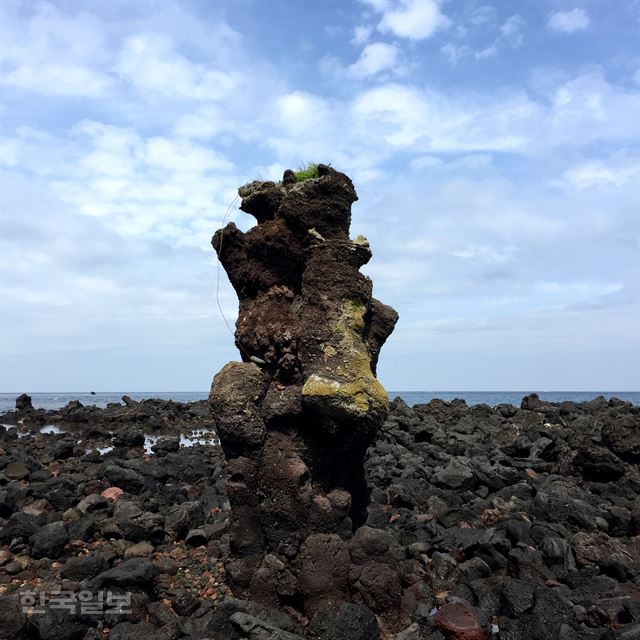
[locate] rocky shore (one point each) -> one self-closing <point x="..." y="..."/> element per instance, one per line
<point x="518" y="523"/>
<point x="298" y="502"/>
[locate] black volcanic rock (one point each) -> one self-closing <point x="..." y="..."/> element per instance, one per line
<point x="83" y="567"/>
<point x="544" y="548"/>
<point x="134" y="573"/>
<point x="50" y="540"/>
<point x="23" y="403"/>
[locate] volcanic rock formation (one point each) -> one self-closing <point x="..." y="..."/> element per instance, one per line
<point x="296" y="416"/>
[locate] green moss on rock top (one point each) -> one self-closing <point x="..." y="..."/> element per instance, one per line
<point x="307" y="171"/>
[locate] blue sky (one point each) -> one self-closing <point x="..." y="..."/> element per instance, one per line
<point x="494" y="147"/>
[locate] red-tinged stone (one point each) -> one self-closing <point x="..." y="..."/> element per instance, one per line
<point x="25" y="575"/>
<point x="5" y="556"/>
<point x="458" y="621"/>
<point x="112" y="493"/>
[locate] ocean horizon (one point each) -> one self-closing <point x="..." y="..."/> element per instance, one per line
<point x="55" y="400"/>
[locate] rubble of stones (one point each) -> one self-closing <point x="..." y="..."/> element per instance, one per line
<point x="154" y="416"/>
<point x="506" y="523"/>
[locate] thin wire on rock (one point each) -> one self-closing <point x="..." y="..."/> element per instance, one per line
<point x="218" y="254"/>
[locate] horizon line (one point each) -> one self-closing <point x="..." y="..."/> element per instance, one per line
<point x="91" y="392"/>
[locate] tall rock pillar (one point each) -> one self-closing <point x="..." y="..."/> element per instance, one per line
<point x="296" y="416"/>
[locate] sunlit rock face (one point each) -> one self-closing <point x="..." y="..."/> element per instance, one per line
<point x="296" y="416"/>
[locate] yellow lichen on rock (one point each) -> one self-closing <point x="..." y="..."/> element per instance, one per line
<point x="351" y="321"/>
<point x="350" y="390"/>
<point x="355" y="399"/>
<point x="329" y="351"/>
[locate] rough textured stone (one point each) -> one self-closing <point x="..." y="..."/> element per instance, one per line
<point x="296" y="416"/>
<point x="112" y="493"/>
<point x="458" y="621"/>
<point x="83" y="567"/>
<point x="324" y="572"/>
<point x="49" y="541"/>
<point x="349" y="622"/>
<point x="255" y="629"/>
<point x="23" y="403"/>
<point x="13" y="618"/>
<point x="517" y="597"/>
<point x="16" y="470"/>
<point x="136" y="572"/>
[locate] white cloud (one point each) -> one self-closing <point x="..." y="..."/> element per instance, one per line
<point x="297" y="111"/>
<point x="511" y="34"/>
<point x="9" y="151"/>
<point x="181" y="156"/>
<point x="484" y="254"/>
<point x="151" y="64"/>
<point x="465" y="237"/>
<point x="597" y="174"/>
<point x="145" y="177"/>
<point x="58" y="80"/>
<point x="206" y="123"/>
<point x="426" y="163"/>
<point x="579" y="289"/>
<point x="400" y="112"/>
<point x="428" y="121"/>
<point x="482" y="236"/>
<point x="453" y="53"/>
<point x="54" y="54"/>
<point x="589" y="108"/>
<point x="57" y="51"/>
<point x="361" y="35"/>
<point x="375" y="57"/>
<point x="411" y="19"/>
<point x="140" y="186"/>
<point x="569" y="21"/>
<point x="378" y="5"/>
<point x="487" y="52"/>
<point x="94" y="289"/>
<point x="482" y="15"/>
<point x="573" y="113"/>
<point x="473" y="161"/>
<point x="513" y="30"/>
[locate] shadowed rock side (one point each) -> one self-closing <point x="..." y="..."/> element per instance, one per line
<point x="296" y="416"/>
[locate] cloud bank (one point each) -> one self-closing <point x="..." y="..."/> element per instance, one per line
<point x="498" y="190"/>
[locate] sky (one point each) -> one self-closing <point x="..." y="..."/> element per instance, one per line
<point x="494" y="147"/>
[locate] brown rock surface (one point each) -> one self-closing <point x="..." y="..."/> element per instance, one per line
<point x="296" y="416"/>
<point x="458" y="621"/>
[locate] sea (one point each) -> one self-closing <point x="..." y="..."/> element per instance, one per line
<point x="491" y="398"/>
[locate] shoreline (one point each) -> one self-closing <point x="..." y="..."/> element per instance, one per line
<point x="56" y="400"/>
<point x="528" y="515"/>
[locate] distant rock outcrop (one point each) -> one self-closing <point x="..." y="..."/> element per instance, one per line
<point x="296" y="416"/>
<point x="23" y="403"/>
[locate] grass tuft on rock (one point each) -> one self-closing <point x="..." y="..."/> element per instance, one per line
<point x="306" y="172"/>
